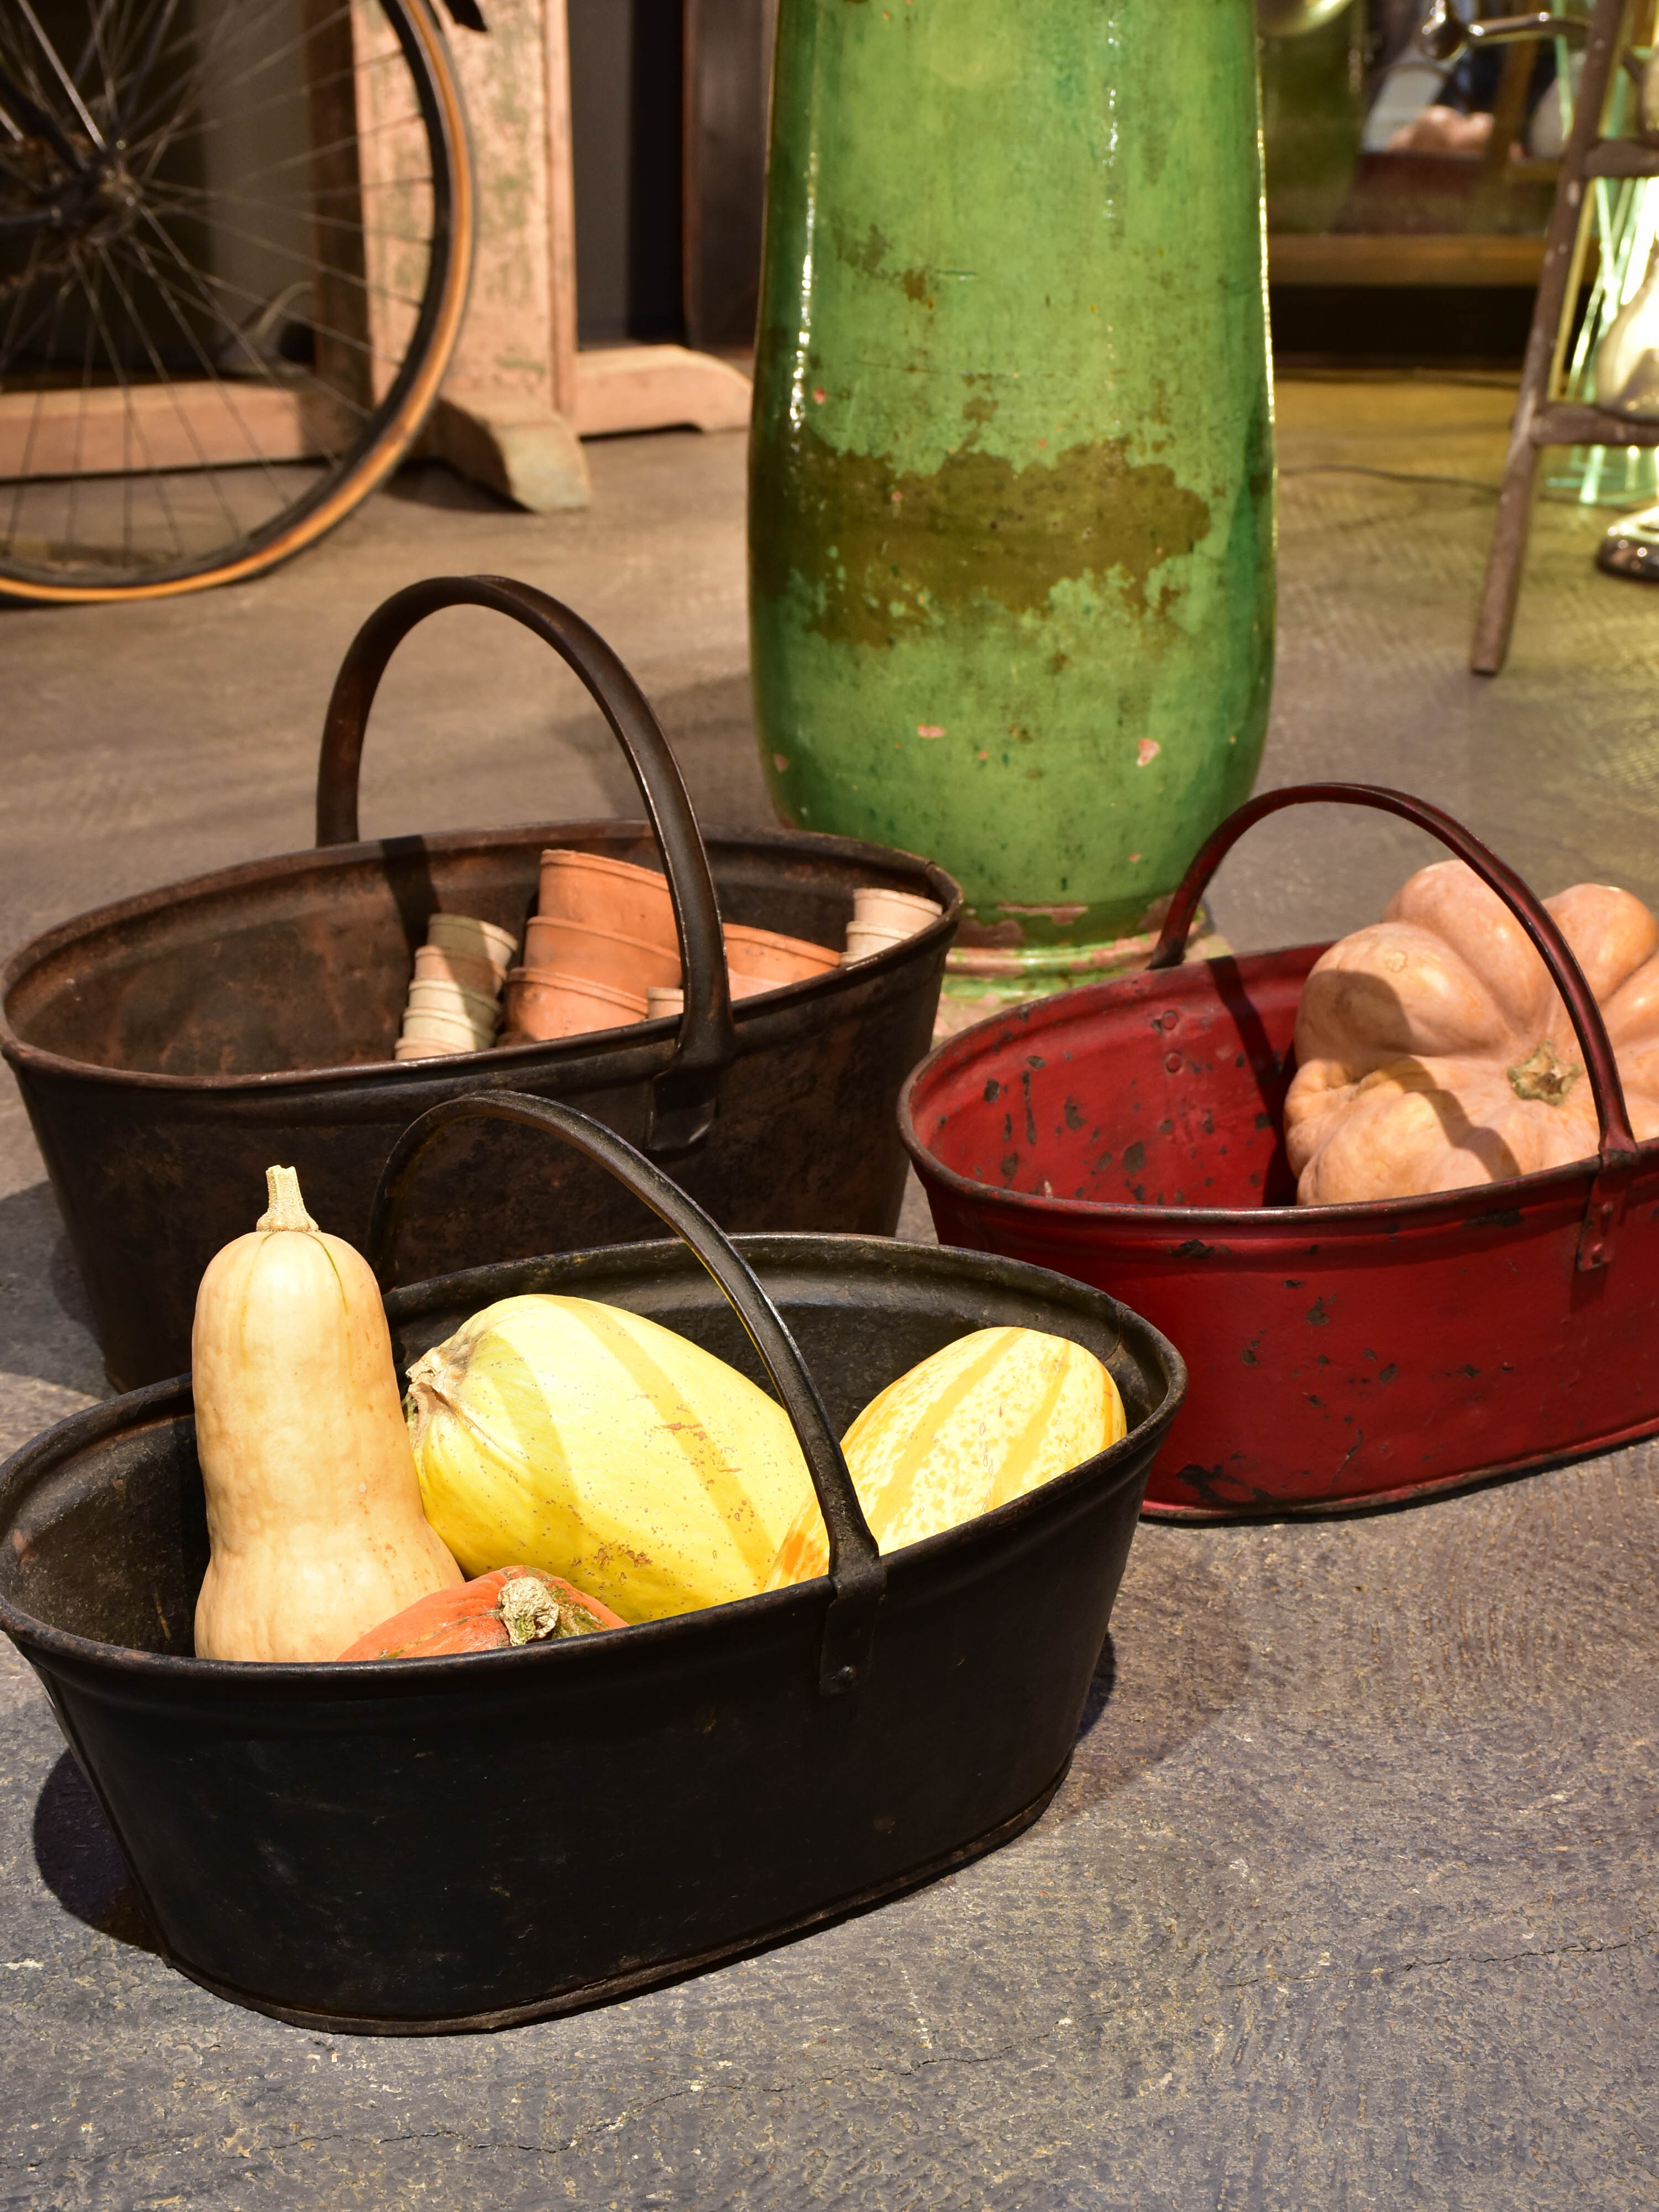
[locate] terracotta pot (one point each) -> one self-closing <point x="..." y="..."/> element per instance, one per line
<point x="433" y="965"/>
<point x="764" y="954"/>
<point x="608" y="895"/>
<point x="481" y="1009"/>
<point x="903" y="912"/>
<point x="476" y="940"/>
<point x="601" y="955"/>
<point x="539" y="1005"/>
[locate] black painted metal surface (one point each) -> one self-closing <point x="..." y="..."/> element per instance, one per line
<point x="170" y="1047"/>
<point x="407" y="1846"/>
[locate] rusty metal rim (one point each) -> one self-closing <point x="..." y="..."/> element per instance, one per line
<point x="590" y="1994"/>
<point x="504" y="1058"/>
<point x="1436" y="1210"/>
<point x="1438" y="1486"/>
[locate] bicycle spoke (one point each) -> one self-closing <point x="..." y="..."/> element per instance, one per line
<point x="254" y="300"/>
<point x="80" y="437"/>
<point x="254" y="448"/>
<point x="186" y="89"/>
<point x="289" y="253"/>
<point x="148" y="58"/>
<point x="173" y="393"/>
<point x="62" y="75"/>
<point x="28" y="111"/>
<point x="34" y="420"/>
<point x="136" y="418"/>
<point x="95" y="50"/>
<point x="186" y="199"/>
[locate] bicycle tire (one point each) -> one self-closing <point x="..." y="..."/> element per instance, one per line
<point x="392" y="418"/>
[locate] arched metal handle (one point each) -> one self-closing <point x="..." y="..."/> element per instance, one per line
<point x="685" y="1096"/>
<point x="1617" y="1141"/>
<point x="858" y="1576"/>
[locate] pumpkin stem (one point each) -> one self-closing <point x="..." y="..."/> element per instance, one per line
<point x="528" y="1609"/>
<point x="287" y="1209"/>
<point x="1543" y="1076"/>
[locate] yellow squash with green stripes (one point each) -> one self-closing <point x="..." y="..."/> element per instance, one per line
<point x="985" y="1419"/>
<point x="589" y="1442"/>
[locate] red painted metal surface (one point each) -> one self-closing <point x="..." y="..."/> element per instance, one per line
<point x="1129" y="1135"/>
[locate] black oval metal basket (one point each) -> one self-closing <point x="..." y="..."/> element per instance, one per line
<point x="168" y="1048"/>
<point x="411" y="1846"/>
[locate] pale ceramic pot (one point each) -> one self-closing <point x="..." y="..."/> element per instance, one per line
<point x="452" y="1030"/>
<point x="433" y="965"/>
<point x="862" y="941"/>
<point x="476" y="940"/>
<point x="481" y="1009"/>
<point x="902" y="912"/>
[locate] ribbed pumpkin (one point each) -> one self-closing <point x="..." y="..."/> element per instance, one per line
<point x="594" y="1443"/>
<point x="494" y="1613"/>
<point x="982" y="1421"/>
<point x="1433" y="1051"/>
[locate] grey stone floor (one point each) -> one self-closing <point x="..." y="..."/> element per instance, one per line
<point x="1349" y="1899"/>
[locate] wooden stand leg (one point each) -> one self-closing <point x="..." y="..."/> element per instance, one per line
<point x="1557" y="285"/>
<point x="515" y="446"/>
<point x="1495" y="619"/>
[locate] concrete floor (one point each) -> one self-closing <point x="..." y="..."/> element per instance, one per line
<point x="1349" y="1899"/>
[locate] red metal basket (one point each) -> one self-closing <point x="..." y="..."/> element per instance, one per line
<point x="1130" y="1135"/>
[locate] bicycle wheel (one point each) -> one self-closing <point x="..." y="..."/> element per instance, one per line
<point x="235" y="237"/>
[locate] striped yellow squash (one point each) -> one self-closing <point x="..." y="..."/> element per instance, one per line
<point x="985" y="1419"/>
<point x="559" y="1433"/>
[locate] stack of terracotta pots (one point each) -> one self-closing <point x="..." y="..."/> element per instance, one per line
<point x="455" y="999"/>
<point x="601" y="951"/>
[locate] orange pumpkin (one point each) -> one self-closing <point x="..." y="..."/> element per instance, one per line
<point x="1433" y="1051"/>
<point x="508" y="1606"/>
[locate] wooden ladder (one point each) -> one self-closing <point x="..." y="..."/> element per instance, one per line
<point x="1541" y="418"/>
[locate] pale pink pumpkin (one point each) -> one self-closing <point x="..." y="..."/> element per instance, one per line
<point x="1433" y="1051"/>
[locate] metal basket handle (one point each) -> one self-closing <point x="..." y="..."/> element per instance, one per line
<point x="858" y="1576"/>
<point x="1618" y="1144"/>
<point x="684" y="1096"/>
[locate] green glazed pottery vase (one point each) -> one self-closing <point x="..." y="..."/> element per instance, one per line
<point x="1012" y="475"/>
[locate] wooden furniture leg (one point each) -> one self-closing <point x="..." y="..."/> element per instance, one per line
<point x="520" y="396"/>
<point x="1558" y="287"/>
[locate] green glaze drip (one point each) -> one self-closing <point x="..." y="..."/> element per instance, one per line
<point x="1012" y="514"/>
<point x="884" y="554"/>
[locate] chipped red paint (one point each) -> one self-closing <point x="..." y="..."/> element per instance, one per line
<point x="1339" y="1355"/>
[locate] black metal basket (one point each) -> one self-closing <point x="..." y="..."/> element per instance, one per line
<point x="409" y="1846"/>
<point x="170" y="1047"/>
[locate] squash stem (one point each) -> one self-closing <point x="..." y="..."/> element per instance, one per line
<point x="287" y="1209"/>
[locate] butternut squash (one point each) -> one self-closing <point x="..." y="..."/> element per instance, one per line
<point x="313" y="1508"/>
<point x="984" y="1419"/>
